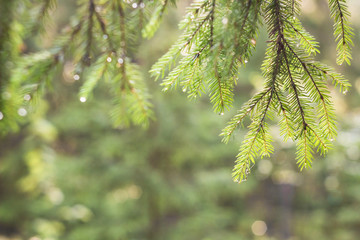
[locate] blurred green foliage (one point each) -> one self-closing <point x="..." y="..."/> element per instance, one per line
<point x="67" y="174"/>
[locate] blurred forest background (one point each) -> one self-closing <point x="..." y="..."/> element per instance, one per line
<point x="67" y="174"/>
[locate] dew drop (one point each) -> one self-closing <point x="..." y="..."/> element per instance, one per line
<point x="134" y="5"/>
<point x="83" y="99"/>
<point x="331" y="139"/>
<point x="345" y="92"/>
<point x="22" y="112"/>
<point x="109" y="59"/>
<point x="1" y="115"/>
<point x="76" y="77"/>
<point x="105" y="36"/>
<point x="222" y="113"/>
<point x="240" y="181"/>
<point x="294" y="17"/>
<point x="246" y="61"/>
<point x="184" y="90"/>
<point x="27" y="97"/>
<point x="120" y="61"/>
<point x="142" y="5"/>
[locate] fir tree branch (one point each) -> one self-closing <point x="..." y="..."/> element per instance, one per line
<point x="241" y="30"/>
<point x="122" y="42"/>
<point x="149" y="30"/>
<point x="237" y="120"/>
<point x="336" y="78"/>
<point x="87" y="56"/>
<point x="104" y="31"/>
<point x="342" y="31"/>
<point x="6" y="20"/>
<point x="47" y="6"/>
<point x="324" y="146"/>
<point x="304" y="152"/>
<point x="307" y="39"/>
<point x="208" y="17"/>
<point x="288" y="128"/>
<point x="212" y="12"/>
<point x="295" y="90"/>
<point x="220" y="105"/>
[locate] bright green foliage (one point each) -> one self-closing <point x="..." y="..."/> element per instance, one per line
<point x="30" y="73"/>
<point x="155" y="17"/>
<point x="218" y="39"/>
<point x="97" y="45"/>
<point x="343" y="32"/>
<point x="42" y="14"/>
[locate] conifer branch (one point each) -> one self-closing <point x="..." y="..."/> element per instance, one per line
<point x="241" y="30"/>
<point x="105" y="32"/>
<point x="237" y="120"/>
<point x="342" y="31"/>
<point x="289" y="130"/>
<point x="212" y="12"/>
<point x="122" y="42"/>
<point x="296" y="92"/>
<point x="304" y="151"/>
<point x="221" y="104"/>
<point x="323" y="146"/>
<point x="305" y="38"/>
<point x="336" y="78"/>
<point x="47" y="6"/>
<point x="330" y="130"/>
<point x="87" y="56"/>
<point x="219" y="37"/>
<point x="202" y="23"/>
<point x="149" y="30"/>
<point x="293" y="80"/>
<point x="6" y="20"/>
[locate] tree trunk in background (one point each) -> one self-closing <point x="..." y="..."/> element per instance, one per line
<point x="286" y="197"/>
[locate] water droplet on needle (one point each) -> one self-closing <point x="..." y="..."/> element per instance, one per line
<point x="22" y="112"/>
<point x="27" y="97"/>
